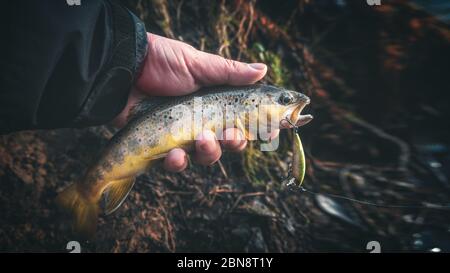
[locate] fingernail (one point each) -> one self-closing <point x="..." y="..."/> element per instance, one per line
<point x="258" y="66"/>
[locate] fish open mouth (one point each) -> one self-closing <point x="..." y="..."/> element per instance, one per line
<point x="293" y="116"/>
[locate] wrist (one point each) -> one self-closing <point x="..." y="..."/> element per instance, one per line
<point x="133" y="98"/>
<point x="142" y="76"/>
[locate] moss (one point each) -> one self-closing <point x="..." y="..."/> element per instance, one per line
<point x="277" y="74"/>
<point x="261" y="167"/>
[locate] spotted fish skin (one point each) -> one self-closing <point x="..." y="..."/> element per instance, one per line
<point x="150" y="135"/>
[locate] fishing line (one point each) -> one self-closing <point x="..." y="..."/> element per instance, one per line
<point x="362" y="202"/>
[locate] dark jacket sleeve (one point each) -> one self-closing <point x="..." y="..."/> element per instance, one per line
<point x="67" y="65"/>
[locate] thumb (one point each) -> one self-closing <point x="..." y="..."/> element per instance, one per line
<point x="209" y="69"/>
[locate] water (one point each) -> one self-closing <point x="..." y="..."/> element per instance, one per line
<point x="438" y="8"/>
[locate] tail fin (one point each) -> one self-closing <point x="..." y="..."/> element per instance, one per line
<point x="85" y="212"/>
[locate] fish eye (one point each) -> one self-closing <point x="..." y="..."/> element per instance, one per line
<point x="286" y="98"/>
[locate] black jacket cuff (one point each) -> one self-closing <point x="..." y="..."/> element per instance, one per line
<point x="111" y="88"/>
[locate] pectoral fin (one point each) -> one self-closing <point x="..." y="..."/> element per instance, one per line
<point x="156" y="157"/>
<point x="241" y="126"/>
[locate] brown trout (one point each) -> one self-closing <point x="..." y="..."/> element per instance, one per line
<point x="161" y="124"/>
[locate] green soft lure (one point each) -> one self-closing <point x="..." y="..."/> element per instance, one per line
<point x="298" y="159"/>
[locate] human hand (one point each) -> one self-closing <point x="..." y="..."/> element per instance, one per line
<point x="174" y="68"/>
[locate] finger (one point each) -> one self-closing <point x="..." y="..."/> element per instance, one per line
<point x="233" y="140"/>
<point x="207" y="149"/>
<point x="274" y="133"/>
<point x="176" y="160"/>
<point x="210" y="69"/>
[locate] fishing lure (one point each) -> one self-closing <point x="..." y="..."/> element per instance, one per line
<point x="298" y="159"/>
<point x="298" y="166"/>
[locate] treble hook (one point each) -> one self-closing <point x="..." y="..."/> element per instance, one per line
<point x="295" y="127"/>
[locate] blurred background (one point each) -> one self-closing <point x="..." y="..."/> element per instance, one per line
<point x="378" y="78"/>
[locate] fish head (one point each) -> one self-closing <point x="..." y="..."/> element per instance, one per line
<point x="294" y="103"/>
<point x="283" y="107"/>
